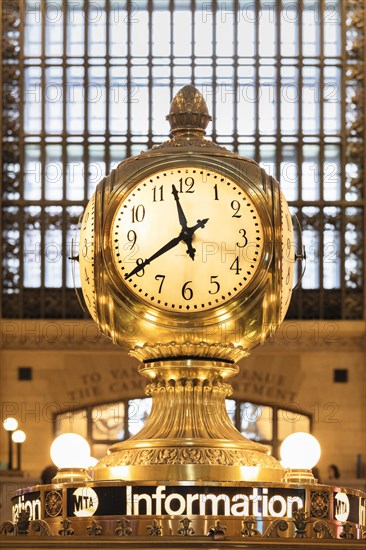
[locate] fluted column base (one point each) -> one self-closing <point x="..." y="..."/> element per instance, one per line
<point x="189" y="435"/>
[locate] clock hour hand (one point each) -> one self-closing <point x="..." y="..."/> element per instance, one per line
<point x="181" y="216"/>
<point x="188" y="234"/>
<point x="171" y="244"/>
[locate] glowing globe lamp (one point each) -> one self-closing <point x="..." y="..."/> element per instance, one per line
<point x="71" y="454"/>
<point x="18" y="436"/>
<point x="10" y="424"/>
<point x="299" y="453"/>
<point x="70" y="451"/>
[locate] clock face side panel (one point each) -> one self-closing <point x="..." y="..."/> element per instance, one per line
<point x="86" y="257"/>
<point x="138" y="213"/>
<point x="287" y="257"/>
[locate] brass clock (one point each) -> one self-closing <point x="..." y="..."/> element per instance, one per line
<point x="187" y="259"/>
<point x="187" y="243"/>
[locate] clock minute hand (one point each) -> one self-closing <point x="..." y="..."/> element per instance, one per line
<point x="171" y="244"/>
<point x="181" y="215"/>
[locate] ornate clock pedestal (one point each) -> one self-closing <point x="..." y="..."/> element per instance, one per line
<point x="187" y="260"/>
<point x="189" y="435"/>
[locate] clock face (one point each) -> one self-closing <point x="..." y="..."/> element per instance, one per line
<point x="187" y="239"/>
<point x="53" y="503"/>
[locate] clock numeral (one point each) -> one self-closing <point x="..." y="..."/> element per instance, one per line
<point x="85" y="220"/>
<point x="162" y="277"/>
<point x="87" y="279"/>
<point x="138" y="213"/>
<point x="132" y="237"/>
<point x="187" y="292"/>
<point x="288" y="245"/>
<point x="216" y="192"/>
<point x="235" y="205"/>
<point x="158" y="194"/>
<point x="140" y="273"/>
<point x="188" y="183"/>
<point x="288" y="275"/>
<point x="216" y="283"/>
<point x="244" y="234"/>
<point x="84" y="250"/>
<point x="235" y="266"/>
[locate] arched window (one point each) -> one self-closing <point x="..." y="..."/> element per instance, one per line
<point x="107" y="423"/>
<point x="87" y="84"/>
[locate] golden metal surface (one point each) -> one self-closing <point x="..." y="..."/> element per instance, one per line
<point x="188" y="110"/>
<point x="176" y="543"/>
<point x="189" y="434"/>
<point x="69" y="475"/>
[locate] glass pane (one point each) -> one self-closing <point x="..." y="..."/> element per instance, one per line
<point x="97" y="100"/>
<point x="32" y="173"/>
<point x="267" y="30"/>
<point x="290" y="422"/>
<point x="332" y="248"/>
<point x="332" y="28"/>
<point x="138" y="411"/>
<point x="231" y="408"/>
<point x="289" y="100"/>
<point x="32" y="247"/>
<point x="53" y="173"/>
<point x="53" y="247"/>
<point x="182" y="21"/>
<point x="75" y="105"/>
<point x="118" y="28"/>
<point x="33" y="100"/>
<point x="310" y="100"/>
<point x="289" y="28"/>
<point x="33" y="28"/>
<point x="53" y="100"/>
<point x="203" y="32"/>
<point x="75" y="172"/>
<point x="256" y="421"/>
<point x="289" y="172"/>
<point x="310" y="173"/>
<point x="72" y="422"/>
<point x="75" y="28"/>
<point x="54" y="28"/>
<point x="108" y="422"/>
<point x="332" y="187"/>
<point x="224" y="30"/>
<point x="311" y="28"/>
<point x="97" y="28"/>
<point x="267" y="101"/>
<point x="311" y="241"/>
<point x="118" y="100"/>
<point x="332" y="100"/>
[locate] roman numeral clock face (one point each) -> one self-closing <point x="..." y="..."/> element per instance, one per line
<point x="187" y="239"/>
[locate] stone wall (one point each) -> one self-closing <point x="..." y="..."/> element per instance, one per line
<point x="73" y="365"/>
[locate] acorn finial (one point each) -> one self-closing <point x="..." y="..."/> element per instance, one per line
<point x="188" y="111"/>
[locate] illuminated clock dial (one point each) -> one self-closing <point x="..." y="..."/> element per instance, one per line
<point x="187" y="239"/>
<point x="86" y="257"/>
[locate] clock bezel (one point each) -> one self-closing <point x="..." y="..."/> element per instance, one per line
<point x="153" y="312"/>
